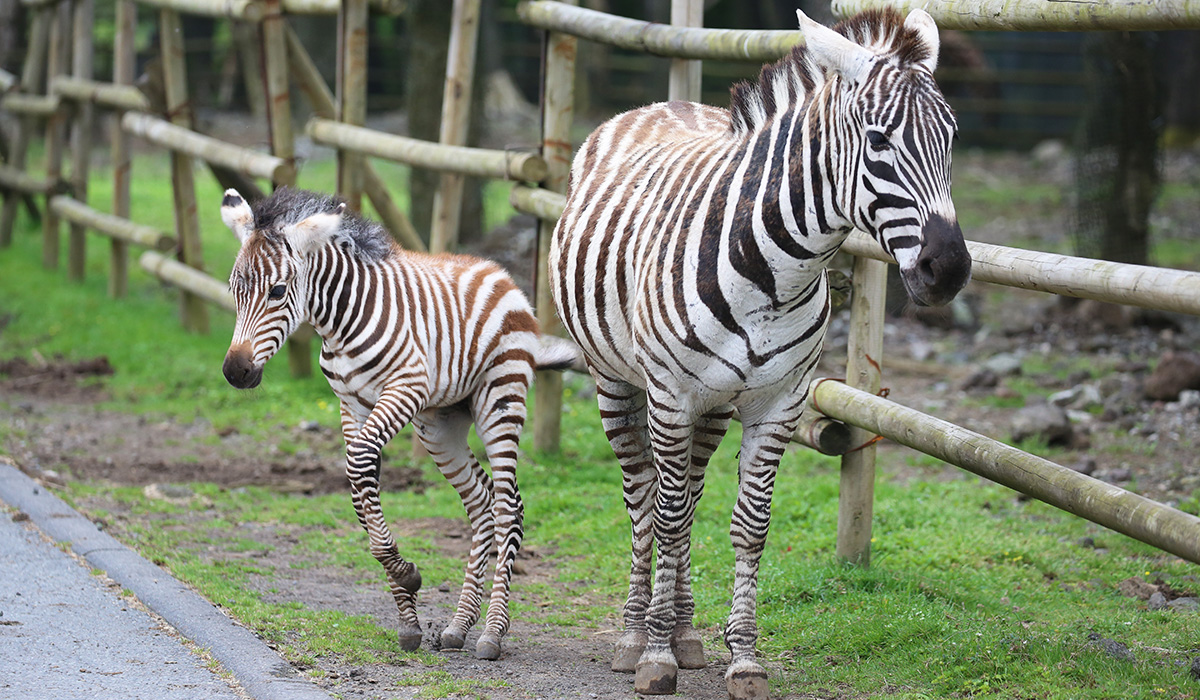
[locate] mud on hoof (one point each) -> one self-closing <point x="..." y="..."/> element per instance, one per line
<point x="746" y="681"/>
<point x="488" y="647"/>
<point x="451" y="639"/>
<point x="410" y="638"/>
<point x="655" y="678"/>
<point x="627" y="651"/>
<point x="688" y="647"/>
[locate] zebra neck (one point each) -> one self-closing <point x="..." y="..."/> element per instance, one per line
<point x="344" y="293"/>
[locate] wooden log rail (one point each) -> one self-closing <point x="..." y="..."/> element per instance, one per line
<point x="17" y="180"/>
<point x="331" y="7"/>
<point x="112" y="226"/>
<point x="31" y="105"/>
<point x="1105" y="504"/>
<point x="188" y="279"/>
<point x="1043" y="15"/>
<point x="658" y="39"/>
<point x="177" y="138"/>
<point x="479" y="162"/>
<point x="107" y="95"/>
<point x="245" y="10"/>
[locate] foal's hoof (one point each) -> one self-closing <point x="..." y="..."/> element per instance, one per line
<point x="452" y="639"/>
<point x="746" y="681"/>
<point x="410" y="638"/>
<point x="688" y="647"/>
<point x="627" y="651"/>
<point x="655" y="678"/>
<point x="488" y="647"/>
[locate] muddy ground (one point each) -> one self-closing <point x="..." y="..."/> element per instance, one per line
<point x="936" y="364"/>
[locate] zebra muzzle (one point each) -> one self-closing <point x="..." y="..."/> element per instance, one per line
<point x="240" y="371"/>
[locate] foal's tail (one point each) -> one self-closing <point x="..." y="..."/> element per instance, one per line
<point x="556" y="353"/>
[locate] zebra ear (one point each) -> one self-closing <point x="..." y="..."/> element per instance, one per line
<point x="922" y="23"/>
<point x="834" y="52"/>
<point x="237" y="215"/>
<point x="313" y="232"/>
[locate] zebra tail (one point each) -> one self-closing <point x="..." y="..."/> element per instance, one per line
<point x="556" y="353"/>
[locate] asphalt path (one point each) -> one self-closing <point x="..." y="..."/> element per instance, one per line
<point x="66" y="633"/>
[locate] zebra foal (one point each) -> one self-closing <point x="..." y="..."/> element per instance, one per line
<point x="689" y="265"/>
<point x="438" y="341"/>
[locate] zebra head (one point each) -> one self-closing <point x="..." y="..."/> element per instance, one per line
<point x="267" y="280"/>
<point x="894" y="130"/>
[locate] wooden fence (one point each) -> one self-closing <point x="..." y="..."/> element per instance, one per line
<point x="339" y="123"/>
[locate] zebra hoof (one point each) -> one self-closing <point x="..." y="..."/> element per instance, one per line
<point x="747" y="681"/>
<point x="627" y="651"/>
<point x="655" y="678"/>
<point x="488" y="647"/>
<point x="688" y="647"/>
<point x="410" y="638"/>
<point x="452" y="639"/>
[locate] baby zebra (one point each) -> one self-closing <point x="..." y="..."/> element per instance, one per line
<point x="440" y="341"/>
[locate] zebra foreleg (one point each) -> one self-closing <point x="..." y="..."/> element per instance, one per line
<point x="363" y="450"/>
<point x="444" y="435"/>
<point x="685" y="640"/>
<point x="671" y="440"/>
<point x="763" y="443"/>
<point x="623" y="415"/>
<point x="499" y="418"/>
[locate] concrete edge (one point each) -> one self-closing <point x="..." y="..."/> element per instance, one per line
<point x="262" y="673"/>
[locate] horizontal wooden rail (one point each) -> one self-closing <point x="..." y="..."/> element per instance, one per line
<point x="32" y="105"/>
<point x="1111" y="506"/>
<point x="543" y="204"/>
<point x="245" y="10"/>
<point x="331" y="7"/>
<point x="480" y="162"/>
<point x="108" y="95"/>
<point x="1043" y="15"/>
<point x="1135" y="285"/>
<point x="243" y="160"/>
<point x="38" y="3"/>
<point x="187" y="278"/>
<point x="18" y="180"/>
<point x="658" y="39"/>
<point x="112" y="226"/>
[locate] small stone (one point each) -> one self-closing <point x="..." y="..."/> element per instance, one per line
<point x="1119" y="474"/>
<point x="1004" y="364"/>
<point x="981" y="379"/>
<point x="1086" y="542"/>
<point x="1184" y="604"/>
<point x="1157" y="601"/>
<point x="1085" y="466"/>
<point x="1044" y="421"/>
<point x="1174" y="373"/>
<point x="1195" y="670"/>
<point x="310" y="426"/>
<point x="1112" y="647"/>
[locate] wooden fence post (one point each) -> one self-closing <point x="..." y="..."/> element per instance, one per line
<point x="81" y="133"/>
<point x="32" y="80"/>
<point x="124" y="58"/>
<point x="58" y="55"/>
<point x="187" y="222"/>
<point x="352" y="93"/>
<point x="684" y="76"/>
<point x="558" y="111"/>
<point x="864" y="353"/>
<point x="456" y="121"/>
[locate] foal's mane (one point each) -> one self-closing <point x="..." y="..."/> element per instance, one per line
<point x="366" y="239"/>
<point x="793" y="78"/>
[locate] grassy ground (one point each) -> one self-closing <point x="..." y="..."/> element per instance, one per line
<point x="971" y="593"/>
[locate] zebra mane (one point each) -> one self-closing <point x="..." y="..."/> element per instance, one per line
<point x="286" y="206"/>
<point x="793" y="78"/>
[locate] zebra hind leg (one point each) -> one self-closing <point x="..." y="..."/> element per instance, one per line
<point x="686" y="642"/>
<point x="623" y="414"/>
<point x="444" y="435"/>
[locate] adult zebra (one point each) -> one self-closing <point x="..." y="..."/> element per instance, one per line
<point x="689" y="264"/>
<point x="440" y="341"/>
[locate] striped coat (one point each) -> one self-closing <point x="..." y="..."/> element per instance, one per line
<point x="689" y="265"/>
<point x="438" y="341"/>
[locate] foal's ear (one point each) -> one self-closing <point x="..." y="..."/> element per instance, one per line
<point x="834" y="52"/>
<point x="237" y="215"/>
<point x="922" y="23"/>
<point x="313" y="232"/>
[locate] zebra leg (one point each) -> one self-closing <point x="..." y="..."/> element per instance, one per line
<point x="444" y="435"/>
<point x="763" y="443"/>
<point x="499" y="418"/>
<point x="623" y="414"/>
<point x="671" y="440"/>
<point x="363" y="449"/>
<point x="685" y="640"/>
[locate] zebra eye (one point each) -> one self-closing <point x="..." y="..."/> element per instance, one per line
<point x="277" y="292"/>
<point x="878" y="139"/>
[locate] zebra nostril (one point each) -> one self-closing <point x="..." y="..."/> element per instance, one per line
<point x="925" y="268"/>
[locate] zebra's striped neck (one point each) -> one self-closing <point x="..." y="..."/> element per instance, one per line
<point x="343" y="292"/>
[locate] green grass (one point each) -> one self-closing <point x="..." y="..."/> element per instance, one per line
<point x="970" y="593"/>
